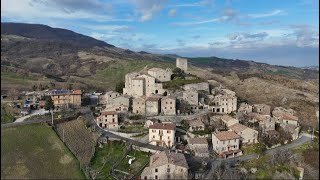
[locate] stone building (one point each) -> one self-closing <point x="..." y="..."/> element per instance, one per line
<point x="203" y="86"/>
<point x="161" y="75"/>
<point x="139" y="105"/>
<point x="266" y="122"/>
<point x="199" y="146"/>
<point x="166" y="165"/>
<point x="182" y="64"/>
<point x="261" y="109"/>
<point x="108" y="120"/>
<point x="245" y="108"/>
<point x="152" y="106"/>
<point x="162" y="134"/>
<point x="248" y="135"/>
<point x="226" y="144"/>
<point x="117" y="108"/>
<point x="168" y="105"/>
<point x="120" y="100"/>
<point x="224" y="101"/>
<point x="191" y="97"/>
<point x="66" y="98"/>
<point x="105" y="98"/>
<point x="196" y="125"/>
<point x="137" y="85"/>
<point x="228" y="120"/>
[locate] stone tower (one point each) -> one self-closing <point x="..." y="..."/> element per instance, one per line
<point x="182" y="64"/>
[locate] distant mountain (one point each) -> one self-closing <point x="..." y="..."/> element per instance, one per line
<point x="311" y="68"/>
<point x="44" y="32"/>
<point x="60" y="55"/>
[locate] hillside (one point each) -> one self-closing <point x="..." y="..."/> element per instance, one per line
<point x="45" y="57"/>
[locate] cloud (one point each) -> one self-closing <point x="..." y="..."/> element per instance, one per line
<point x="181" y="42"/>
<point x="268" y="14"/>
<point x="147" y="8"/>
<point x="203" y="3"/>
<point x="196" y="37"/>
<point x="306" y="35"/>
<point x="172" y="12"/>
<point x="247" y="36"/>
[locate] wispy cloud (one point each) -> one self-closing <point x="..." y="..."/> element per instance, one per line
<point x="267" y="14"/>
<point x="147" y="8"/>
<point x="172" y="12"/>
<point x="203" y="3"/>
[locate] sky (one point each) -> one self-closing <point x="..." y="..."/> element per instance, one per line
<point x="275" y="32"/>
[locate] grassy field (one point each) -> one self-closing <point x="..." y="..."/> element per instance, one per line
<point x="36" y="152"/>
<point x="105" y="157"/>
<point x="178" y="82"/>
<point x="6" y="114"/>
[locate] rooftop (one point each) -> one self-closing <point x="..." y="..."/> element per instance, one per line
<point x="226" y="135"/>
<point x="238" y="127"/>
<point x="227" y="118"/>
<point x="195" y="122"/>
<point x="166" y="126"/>
<point x="197" y="141"/>
<point x="166" y="157"/>
<point x="289" y="117"/>
<point x="108" y="113"/>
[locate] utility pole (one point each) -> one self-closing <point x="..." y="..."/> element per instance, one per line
<point x="52" y="117"/>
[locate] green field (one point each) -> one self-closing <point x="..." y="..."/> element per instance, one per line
<point x="36" y="152"/>
<point x="6" y="115"/>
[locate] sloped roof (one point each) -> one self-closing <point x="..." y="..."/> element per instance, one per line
<point x="108" y="113"/>
<point x="195" y="122"/>
<point x="289" y="117"/>
<point x="226" y="135"/>
<point x="166" y="126"/>
<point x="197" y="141"/>
<point x="238" y="127"/>
<point x="166" y="157"/>
<point x="227" y="118"/>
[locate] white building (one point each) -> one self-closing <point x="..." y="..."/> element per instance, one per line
<point x="226" y="144"/>
<point x="199" y="146"/>
<point x="162" y="134"/>
<point x="228" y="120"/>
<point x="248" y="135"/>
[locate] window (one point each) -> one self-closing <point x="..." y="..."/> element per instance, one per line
<point x="287" y="122"/>
<point x="153" y="137"/>
<point x="222" y="148"/>
<point x="235" y="140"/>
<point x="145" y="177"/>
<point x="168" y="170"/>
<point x="156" y="170"/>
<point x="217" y="142"/>
<point x="168" y="137"/>
<point x="171" y="102"/>
<point x="170" y="107"/>
<point x="249" y="140"/>
<point x="166" y="102"/>
<point x="168" y="132"/>
<point x="110" y="95"/>
<point x="223" y="142"/>
<point x="113" y="120"/>
<point x="168" y="176"/>
<point x="112" y="115"/>
<point x="156" y="177"/>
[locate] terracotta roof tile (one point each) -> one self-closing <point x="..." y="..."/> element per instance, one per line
<point x="166" y="126"/>
<point x="226" y="135"/>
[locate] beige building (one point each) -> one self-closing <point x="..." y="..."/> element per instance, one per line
<point x="118" y="108"/>
<point x="248" y="135"/>
<point x="266" y="122"/>
<point x="224" y="101"/>
<point x="105" y="98"/>
<point x="166" y="165"/>
<point x="196" y="125"/>
<point x="162" y="134"/>
<point x="228" y="120"/>
<point x="108" y="120"/>
<point x="182" y="64"/>
<point x="245" y="108"/>
<point x="152" y="106"/>
<point x="226" y="144"/>
<point x="191" y="97"/>
<point x="139" y="105"/>
<point x="168" y="105"/>
<point x="161" y="75"/>
<point x="66" y="98"/>
<point x="137" y="85"/>
<point x="199" y="146"/>
<point x="120" y="100"/>
<point x="261" y="109"/>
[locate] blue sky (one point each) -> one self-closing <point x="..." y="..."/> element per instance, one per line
<point x="276" y="32"/>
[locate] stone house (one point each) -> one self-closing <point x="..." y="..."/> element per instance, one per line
<point x="166" y="165"/>
<point x="292" y="129"/>
<point x="199" y="146"/>
<point x="66" y="98"/>
<point x="168" y="105"/>
<point x="278" y="111"/>
<point x="162" y="134"/>
<point x="137" y="85"/>
<point x="108" y="120"/>
<point x="261" y="109"/>
<point x="196" y="125"/>
<point x="139" y="105"/>
<point x="228" y="120"/>
<point x="266" y="122"/>
<point x="289" y="119"/>
<point x="245" y="108"/>
<point x="105" y="98"/>
<point x="161" y="75"/>
<point x="191" y="97"/>
<point x="152" y="106"/>
<point x="117" y="108"/>
<point x="203" y="86"/>
<point x="226" y="144"/>
<point x="120" y="100"/>
<point x="248" y="135"/>
<point x="224" y="101"/>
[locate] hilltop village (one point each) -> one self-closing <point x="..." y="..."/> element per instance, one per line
<point x="200" y="119"/>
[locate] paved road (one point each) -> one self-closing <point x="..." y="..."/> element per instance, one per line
<point x="86" y="112"/>
<point x="305" y="138"/>
<point x="36" y="112"/>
